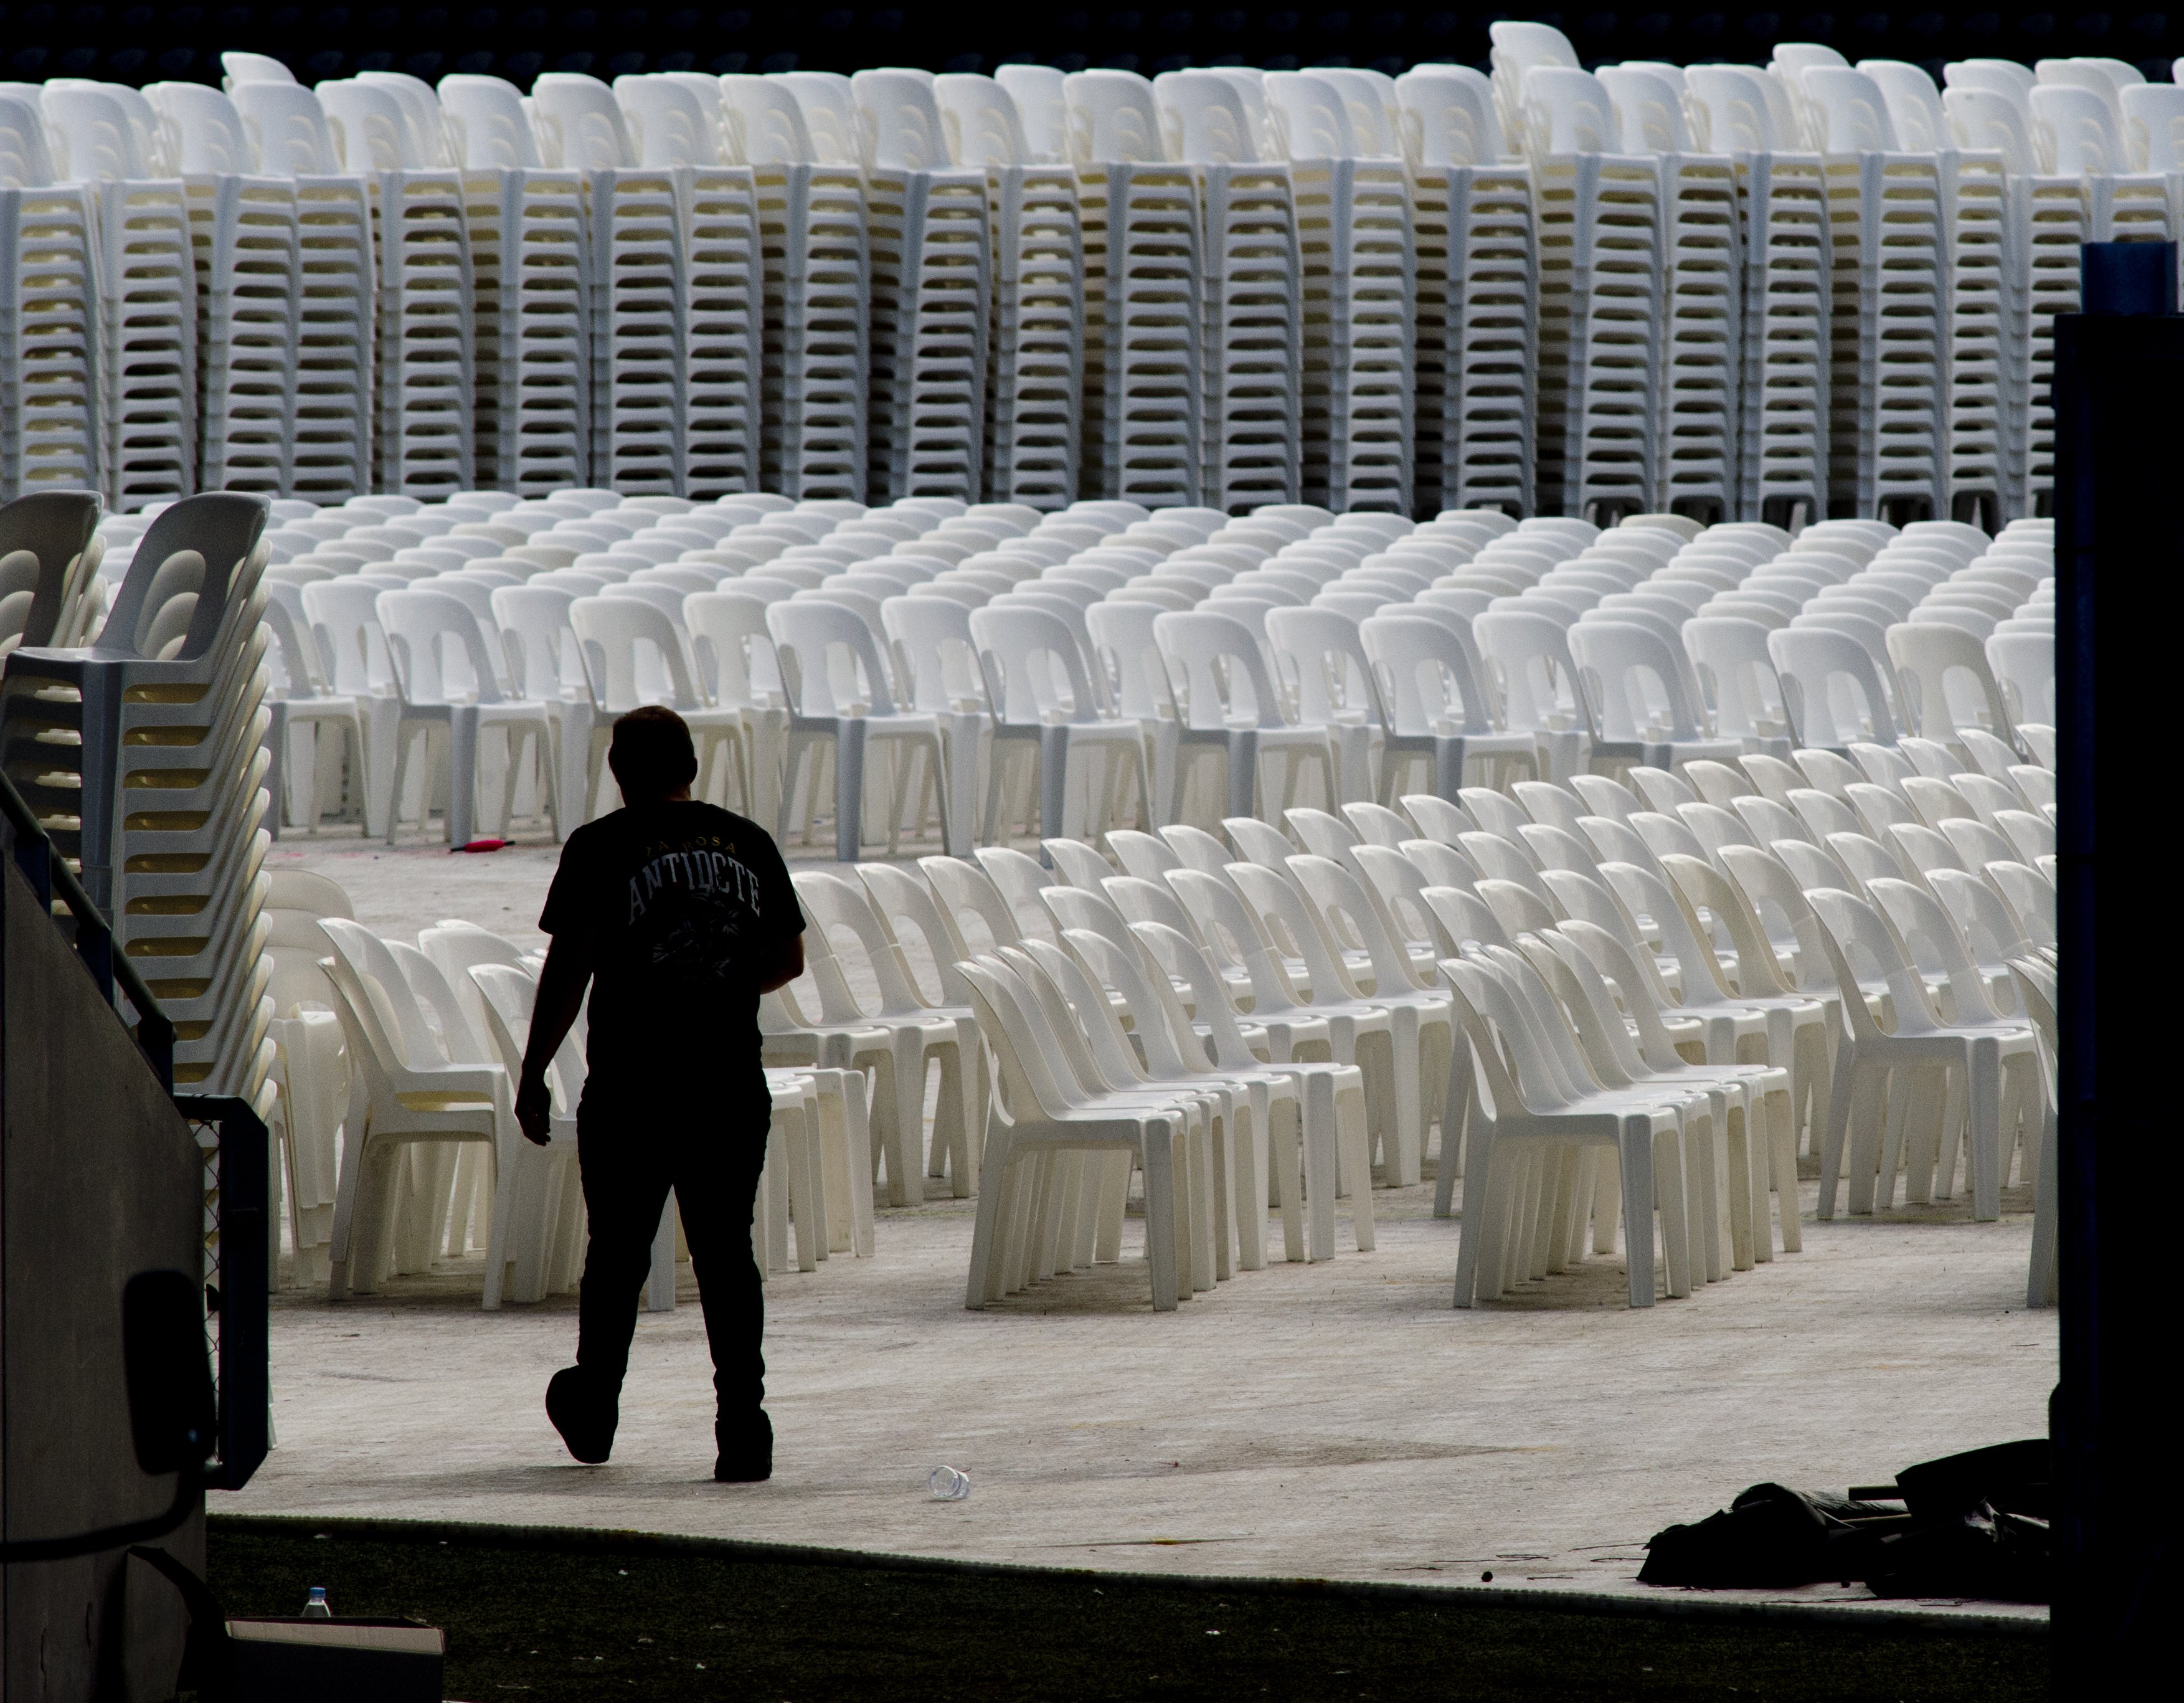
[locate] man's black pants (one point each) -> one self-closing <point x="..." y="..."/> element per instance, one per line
<point x="634" y="1146"/>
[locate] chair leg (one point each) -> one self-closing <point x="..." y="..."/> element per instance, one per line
<point x="1984" y="1068"/>
<point x="1637" y="1180"/>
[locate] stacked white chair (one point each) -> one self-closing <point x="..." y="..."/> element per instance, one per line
<point x="1036" y="392"/>
<point x="2059" y="152"/>
<point x="1144" y="259"/>
<point x="426" y="385"/>
<point x="1478" y="292"/>
<point x="1890" y="333"/>
<point x="1352" y="183"/>
<point x="817" y="257"/>
<point x="1696" y="464"/>
<point x="1782" y="454"/>
<point x="1602" y="258"/>
<point x="48" y="329"/>
<point x="679" y="124"/>
<point x="146" y="397"/>
<point x="531" y="257"/>
<point x="932" y="293"/>
<point x="1253" y="301"/>
<point x="1988" y="327"/>
<point x="248" y="251"/>
<point x="336" y="300"/>
<point x="640" y="287"/>
<point x="168" y="705"/>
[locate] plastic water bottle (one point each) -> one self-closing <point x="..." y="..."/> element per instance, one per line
<point x="948" y="1485"/>
<point x="317" y="1608"/>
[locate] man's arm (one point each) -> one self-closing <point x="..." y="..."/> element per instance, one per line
<point x="562" y="986"/>
<point x="787" y="965"/>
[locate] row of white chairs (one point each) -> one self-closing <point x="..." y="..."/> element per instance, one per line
<point x="1747" y="939"/>
<point x="1889" y="1000"/>
<point x="1076" y="648"/>
<point x="371" y="1030"/>
<point x="1646" y="289"/>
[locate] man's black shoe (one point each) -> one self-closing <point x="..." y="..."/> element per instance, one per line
<point x="585" y="1418"/>
<point x="746" y="1447"/>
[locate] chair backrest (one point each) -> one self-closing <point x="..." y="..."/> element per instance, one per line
<point x="668" y="124"/>
<point x="1731" y="107"/>
<point x="345" y="617"/>
<point x="1033" y="667"/>
<point x="731" y="645"/>
<point x="1325" y="663"/>
<point x="1041" y="95"/>
<point x="1732" y="657"/>
<point x="579" y="122"/>
<point x="1310" y="116"/>
<point x="771" y="120"/>
<point x="1428" y="675"/>
<point x="1528" y="657"/>
<point x="205" y="132"/>
<point x="49" y="550"/>
<point x="2153" y="126"/>
<point x="1568" y="111"/>
<point x="1831" y="691"/>
<point x="1203" y="120"/>
<point x="624" y="639"/>
<point x="1217" y="669"/>
<point x="982" y="120"/>
<point x="809" y="635"/>
<point x="900" y="121"/>
<point x="1848" y="110"/>
<point x="371" y="125"/>
<point x="1914" y="105"/>
<point x="2024" y="668"/>
<point x="97" y="142"/>
<point x="1449" y="112"/>
<point x="1649" y="107"/>
<point x="898" y="896"/>
<point x="1632" y="675"/>
<point x="487" y="114"/>
<point x="2083" y="129"/>
<point x="1112" y="119"/>
<point x="425" y="631"/>
<point x="191" y="576"/>
<point x="289" y="123"/>
<point x="1945" y="679"/>
<point x="424" y="141"/>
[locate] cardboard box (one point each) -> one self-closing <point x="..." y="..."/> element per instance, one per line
<point x="337" y="1661"/>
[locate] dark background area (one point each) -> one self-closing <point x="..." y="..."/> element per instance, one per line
<point x="565" y="1619"/>
<point x="141" y="43"/>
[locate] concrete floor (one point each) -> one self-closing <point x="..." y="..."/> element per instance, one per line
<point x="1338" y="1420"/>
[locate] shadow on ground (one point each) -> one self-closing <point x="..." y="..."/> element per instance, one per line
<point x="600" y="1619"/>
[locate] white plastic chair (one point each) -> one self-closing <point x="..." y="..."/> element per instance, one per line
<point x="813" y="638"/>
<point x="1042" y="697"/>
<point x="432" y="641"/>
<point x="1229" y="707"/>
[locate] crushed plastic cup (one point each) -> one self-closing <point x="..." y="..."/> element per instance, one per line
<point x="948" y="1485"/>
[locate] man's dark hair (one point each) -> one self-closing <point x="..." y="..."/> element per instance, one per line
<point x="652" y="754"/>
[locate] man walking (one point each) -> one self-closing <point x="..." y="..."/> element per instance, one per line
<point x="678" y="915"/>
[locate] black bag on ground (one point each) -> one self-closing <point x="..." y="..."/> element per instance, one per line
<point x="1972" y="1525"/>
<point x="1771" y="1536"/>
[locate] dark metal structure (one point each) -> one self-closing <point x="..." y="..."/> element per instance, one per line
<point x="2120" y="443"/>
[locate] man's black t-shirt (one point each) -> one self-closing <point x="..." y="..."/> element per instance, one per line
<point x="686" y="904"/>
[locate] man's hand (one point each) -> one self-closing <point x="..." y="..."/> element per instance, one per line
<point x="562" y="986"/>
<point x="534" y="1107"/>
